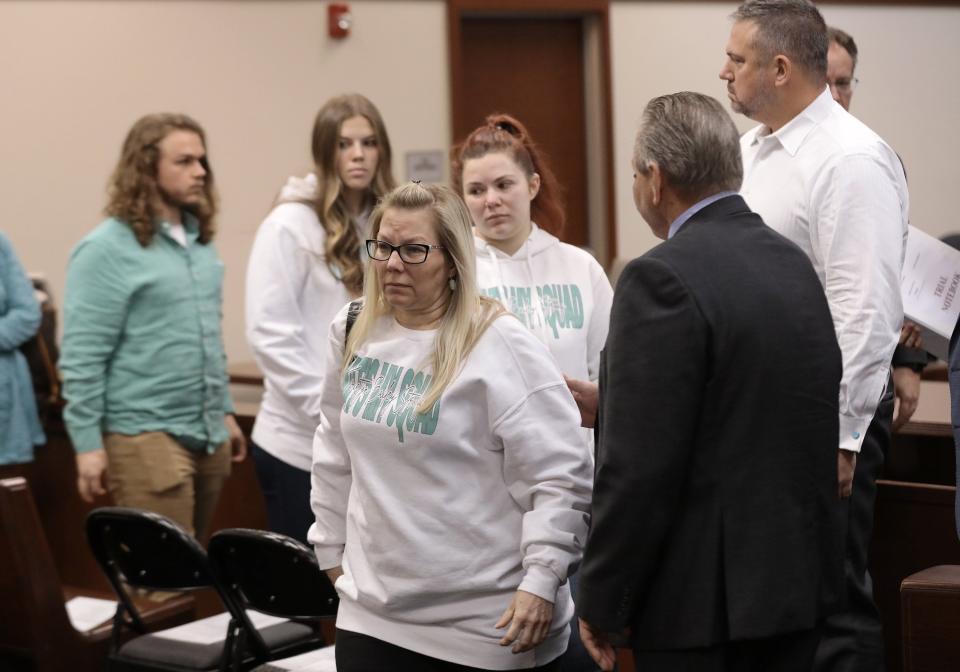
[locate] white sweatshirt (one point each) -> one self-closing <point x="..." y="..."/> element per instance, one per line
<point x="438" y="519"/>
<point x="558" y="291"/>
<point x="291" y="298"/>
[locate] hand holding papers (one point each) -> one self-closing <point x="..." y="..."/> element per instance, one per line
<point x="929" y="287"/>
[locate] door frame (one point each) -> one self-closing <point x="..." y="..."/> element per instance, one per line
<point x="596" y="15"/>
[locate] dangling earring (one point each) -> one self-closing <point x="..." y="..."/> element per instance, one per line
<point x="452" y="284"/>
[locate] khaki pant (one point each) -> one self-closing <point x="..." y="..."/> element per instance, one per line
<point x="151" y="471"/>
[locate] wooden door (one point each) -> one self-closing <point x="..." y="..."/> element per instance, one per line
<point x="532" y="68"/>
<point x="528" y="60"/>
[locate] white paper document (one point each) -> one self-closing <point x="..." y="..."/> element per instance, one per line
<point x="86" y="613"/>
<point x="930" y="288"/>
<point x="318" y="660"/>
<point x="214" y="628"/>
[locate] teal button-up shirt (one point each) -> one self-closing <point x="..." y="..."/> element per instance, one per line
<point x="142" y="344"/>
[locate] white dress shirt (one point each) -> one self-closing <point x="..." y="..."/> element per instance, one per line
<point x="836" y="189"/>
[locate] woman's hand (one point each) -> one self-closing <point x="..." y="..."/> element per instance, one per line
<point x="529" y="618"/>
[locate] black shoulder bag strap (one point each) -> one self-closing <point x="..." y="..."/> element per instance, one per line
<point x="352" y="313"/>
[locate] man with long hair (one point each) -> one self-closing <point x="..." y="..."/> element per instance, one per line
<point x="148" y="405"/>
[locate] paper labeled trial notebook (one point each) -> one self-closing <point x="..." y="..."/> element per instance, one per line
<point x="930" y="288"/>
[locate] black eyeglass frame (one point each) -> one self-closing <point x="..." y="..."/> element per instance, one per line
<point x="371" y="246"/>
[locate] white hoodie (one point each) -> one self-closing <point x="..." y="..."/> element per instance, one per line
<point x="291" y="298"/>
<point x="438" y="518"/>
<point x="558" y="291"/>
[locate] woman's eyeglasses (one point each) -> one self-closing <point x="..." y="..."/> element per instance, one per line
<point x="410" y="253"/>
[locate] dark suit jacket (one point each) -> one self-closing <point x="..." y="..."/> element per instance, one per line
<point x="715" y="511"/>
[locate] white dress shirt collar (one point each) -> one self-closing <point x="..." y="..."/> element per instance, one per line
<point x="792" y="134"/>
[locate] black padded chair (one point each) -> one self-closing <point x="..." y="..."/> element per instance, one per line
<point x="143" y="550"/>
<point x="272" y="573"/>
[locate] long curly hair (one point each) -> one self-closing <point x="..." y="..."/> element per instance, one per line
<point x="133" y="190"/>
<point x="342" y="246"/>
<point x="504" y="133"/>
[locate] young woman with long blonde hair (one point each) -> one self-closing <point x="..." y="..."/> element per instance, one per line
<point x="305" y="265"/>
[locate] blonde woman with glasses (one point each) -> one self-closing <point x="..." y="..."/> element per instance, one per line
<point x="451" y="485"/>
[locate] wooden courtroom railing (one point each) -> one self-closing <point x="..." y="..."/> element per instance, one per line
<point x="914" y="518"/>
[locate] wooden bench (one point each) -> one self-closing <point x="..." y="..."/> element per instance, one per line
<point x="930" y="611"/>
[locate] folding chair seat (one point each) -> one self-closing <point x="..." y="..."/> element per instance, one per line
<point x="147" y="551"/>
<point x="320" y="660"/>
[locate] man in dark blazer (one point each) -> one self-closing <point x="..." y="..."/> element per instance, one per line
<point x="714" y="542"/>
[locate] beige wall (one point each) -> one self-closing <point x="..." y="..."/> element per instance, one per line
<point x="74" y="75"/>
<point x="909" y="66"/>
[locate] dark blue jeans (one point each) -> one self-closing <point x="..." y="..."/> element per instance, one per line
<point x="286" y="492"/>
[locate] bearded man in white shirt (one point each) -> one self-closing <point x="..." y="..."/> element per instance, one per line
<point x="835" y="188"/>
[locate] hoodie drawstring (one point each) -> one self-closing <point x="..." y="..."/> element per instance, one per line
<point x="541" y="317"/>
<point x="538" y="321"/>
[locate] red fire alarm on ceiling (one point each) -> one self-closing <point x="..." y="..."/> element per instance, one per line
<point x="339" y="20"/>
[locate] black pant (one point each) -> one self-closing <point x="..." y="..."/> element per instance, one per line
<point x="361" y="653"/>
<point x="783" y="653"/>
<point x="853" y="639"/>
<point x="286" y="493"/>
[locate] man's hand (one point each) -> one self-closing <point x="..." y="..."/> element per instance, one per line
<point x="238" y="443"/>
<point x="598" y="646"/>
<point x="587" y="396"/>
<point x="906" y="389"/>
<point x="846" y="465"/>
<point x="910" y="335"/>
<point x="90" y="469"/>
<point x="529" y="618"/>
